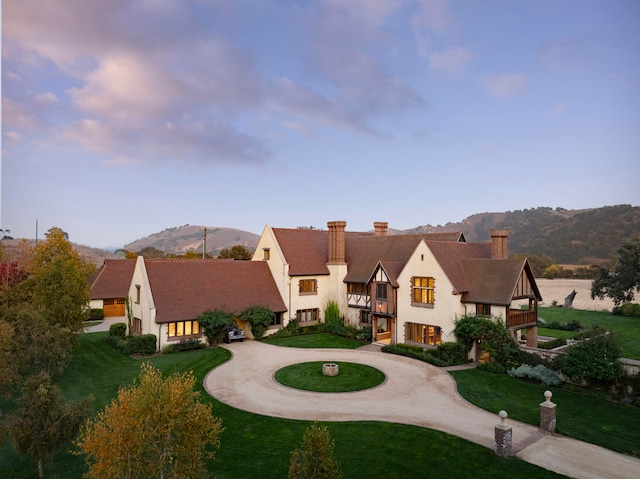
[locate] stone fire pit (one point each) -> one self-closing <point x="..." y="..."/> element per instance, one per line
<point x="330" y="369"/>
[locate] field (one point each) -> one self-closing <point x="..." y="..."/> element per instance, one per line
<point x="559" y="289"/>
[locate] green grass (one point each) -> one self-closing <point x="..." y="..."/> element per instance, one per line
<point x="556" y="333"/>
<point x="591" y="419"/>
<point x="318" y="340"/>
<point x="309" y="377"/>
<point x="259" y="446"/>
<point x="625" y="330"/>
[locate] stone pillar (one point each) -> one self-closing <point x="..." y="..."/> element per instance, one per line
<point x="548" y="413"/>
<point x="532" y="337"/>
<point x="503" y="436"/>
<point x="337" y="240"/>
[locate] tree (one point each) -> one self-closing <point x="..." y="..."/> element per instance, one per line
<point x="61" y="288"/>
<point x="237" y="252"/>
<point x="155" y="428"/>
<point x="623" y="282"/>
<point x="260" y="319"/>
<point x="213" y="323"/>
<point x="8" y="360"/>
<point x="43" y="421"/>
<point x="315" y="460"/>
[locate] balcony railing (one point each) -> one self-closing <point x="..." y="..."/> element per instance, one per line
<point x="517" y="318"/>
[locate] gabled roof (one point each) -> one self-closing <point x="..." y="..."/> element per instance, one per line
<point x="307" y="251"/>
<point x="184" y="289"/>
<point x="391" y="268"/>
<point x="113" y="279"/>
<point x="450" y="255"/>
<point x="494" y="281"/>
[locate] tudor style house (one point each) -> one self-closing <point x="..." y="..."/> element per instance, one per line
<point x="169" y="295"/>
<point x="408" y="288"/>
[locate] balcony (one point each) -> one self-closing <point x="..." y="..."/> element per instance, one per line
<point x="521" y="319"/>
<point x="383" y="307"/>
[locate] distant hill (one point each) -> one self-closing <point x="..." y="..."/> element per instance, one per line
<point x="93" y="255"/>
<point x="180" y="239"/>
<point x="586" y="237"/>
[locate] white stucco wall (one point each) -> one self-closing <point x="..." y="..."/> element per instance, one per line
<point x="446" y="306"/>
<point x="145" y="310"/>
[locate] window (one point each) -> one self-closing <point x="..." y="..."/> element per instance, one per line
<point x="365" y="316"/>
<point x="424" y="334"/>
<point x="308" y="315"/>
<point x="483" y="310"/>
<point x="357" y="288"/>
<point x="266" y="254"/>
<point x="381" y="291"/>
<point x="422" y="290"/>
<point x="137" y="294"/>
<point x="277" y="319"/>
<point x="181" y="329"/>
<point x="308" y="286"/>
<point x="137" y="326"/>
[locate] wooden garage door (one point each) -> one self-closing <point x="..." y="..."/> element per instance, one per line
<point x="113" y="307"/>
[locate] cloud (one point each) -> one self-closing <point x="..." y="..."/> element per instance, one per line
<point x="451" y="60"/>
<point x="13" y="137"/>
<point x="558" y="108"/>
<point x="567" y="55"/>
<point x="503" y="86"/>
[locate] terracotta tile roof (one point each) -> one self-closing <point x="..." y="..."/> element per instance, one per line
<point x="184" y="289"/>
<point x="450" y="255"/>
<point x="113" y="279"/>
<point x="493" y="281"/>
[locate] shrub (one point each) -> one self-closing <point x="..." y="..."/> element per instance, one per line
<point x="596" y="360"/>
<point x="573" y="325"/>
<point x="492" y="334"/>
<point x="525" y="357"/>
<point x="492" y="367"/>
<point x="452" y="353"/>
<point x="540" y="373"/>
<point x="553" y="344"/>
<point x="413" y="352"/>
<point x="631" y="310"/>
<point x="364" y="334"/>
<point x="332" y="314"/>
<point x="593" y="331"/>
<point x="188" y="345"/>
<point x="260" y="318"/>
<point x="213" y="323"/>
<point x="96" y="314"/>
<point x="118" y="329"/>
<point x="145" y="344"/>
<point x="118" y="343"/>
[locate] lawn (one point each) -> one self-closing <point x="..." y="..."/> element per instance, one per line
<point x="318" y="340"/>
<point x="591" y="419"/>
<point x="259" y="446"/>
<point x="625" y="330"/>
<point x="309" y="377"/>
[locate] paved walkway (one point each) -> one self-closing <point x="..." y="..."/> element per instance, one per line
<point x="105" y="324"/>
<point x="414" y="393"/>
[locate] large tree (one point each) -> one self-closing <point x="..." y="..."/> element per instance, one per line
<point x="155" y="428"/>
<point x="237" y="252"/>
<point x="61" y="289"/>
<point x="43" y="420"/>
<point x="623" y="281"/>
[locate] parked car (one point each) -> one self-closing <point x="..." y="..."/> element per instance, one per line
<point x="232" y="333"/>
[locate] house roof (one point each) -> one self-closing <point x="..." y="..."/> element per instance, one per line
<point x="184" y="289"/>
<point x="504" y="275"/>
<point x="450" y="255"/>
<point x="112" y="279"/>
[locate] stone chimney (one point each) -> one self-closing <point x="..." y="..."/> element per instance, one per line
<point x="499" y="244"/>
<point x="337" y="242"/>
<point x="381" y="228"/>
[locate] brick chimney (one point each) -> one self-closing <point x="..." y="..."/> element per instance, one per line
<point x="499" y="244"/>
<point x="337" y="242"/>
<point x="381" y="228"/>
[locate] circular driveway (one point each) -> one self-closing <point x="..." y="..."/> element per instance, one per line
<point x="414" y="393"/>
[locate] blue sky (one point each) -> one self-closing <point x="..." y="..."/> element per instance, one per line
<point x="122" y="118"/>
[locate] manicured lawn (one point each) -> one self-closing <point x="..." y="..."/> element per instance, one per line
<point x="309" y="377"/>
<point x="259" y="446"/>
<point x="598" y="421"/>
<point x="625" y="330"/>
<point x="319" y="340"/>
<point x="555" y="333"/>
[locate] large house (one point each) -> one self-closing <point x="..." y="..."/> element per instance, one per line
<point x="408" y="288"/>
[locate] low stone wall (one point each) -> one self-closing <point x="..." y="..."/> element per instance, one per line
<point x="631" y="366"/>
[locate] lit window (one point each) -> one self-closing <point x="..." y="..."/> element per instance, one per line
<point x="424" y="334"/>
<point x="423" y="290"/>
<point x="182" y="329"/>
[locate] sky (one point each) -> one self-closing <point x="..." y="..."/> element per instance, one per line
<point x="121" y="118"/>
